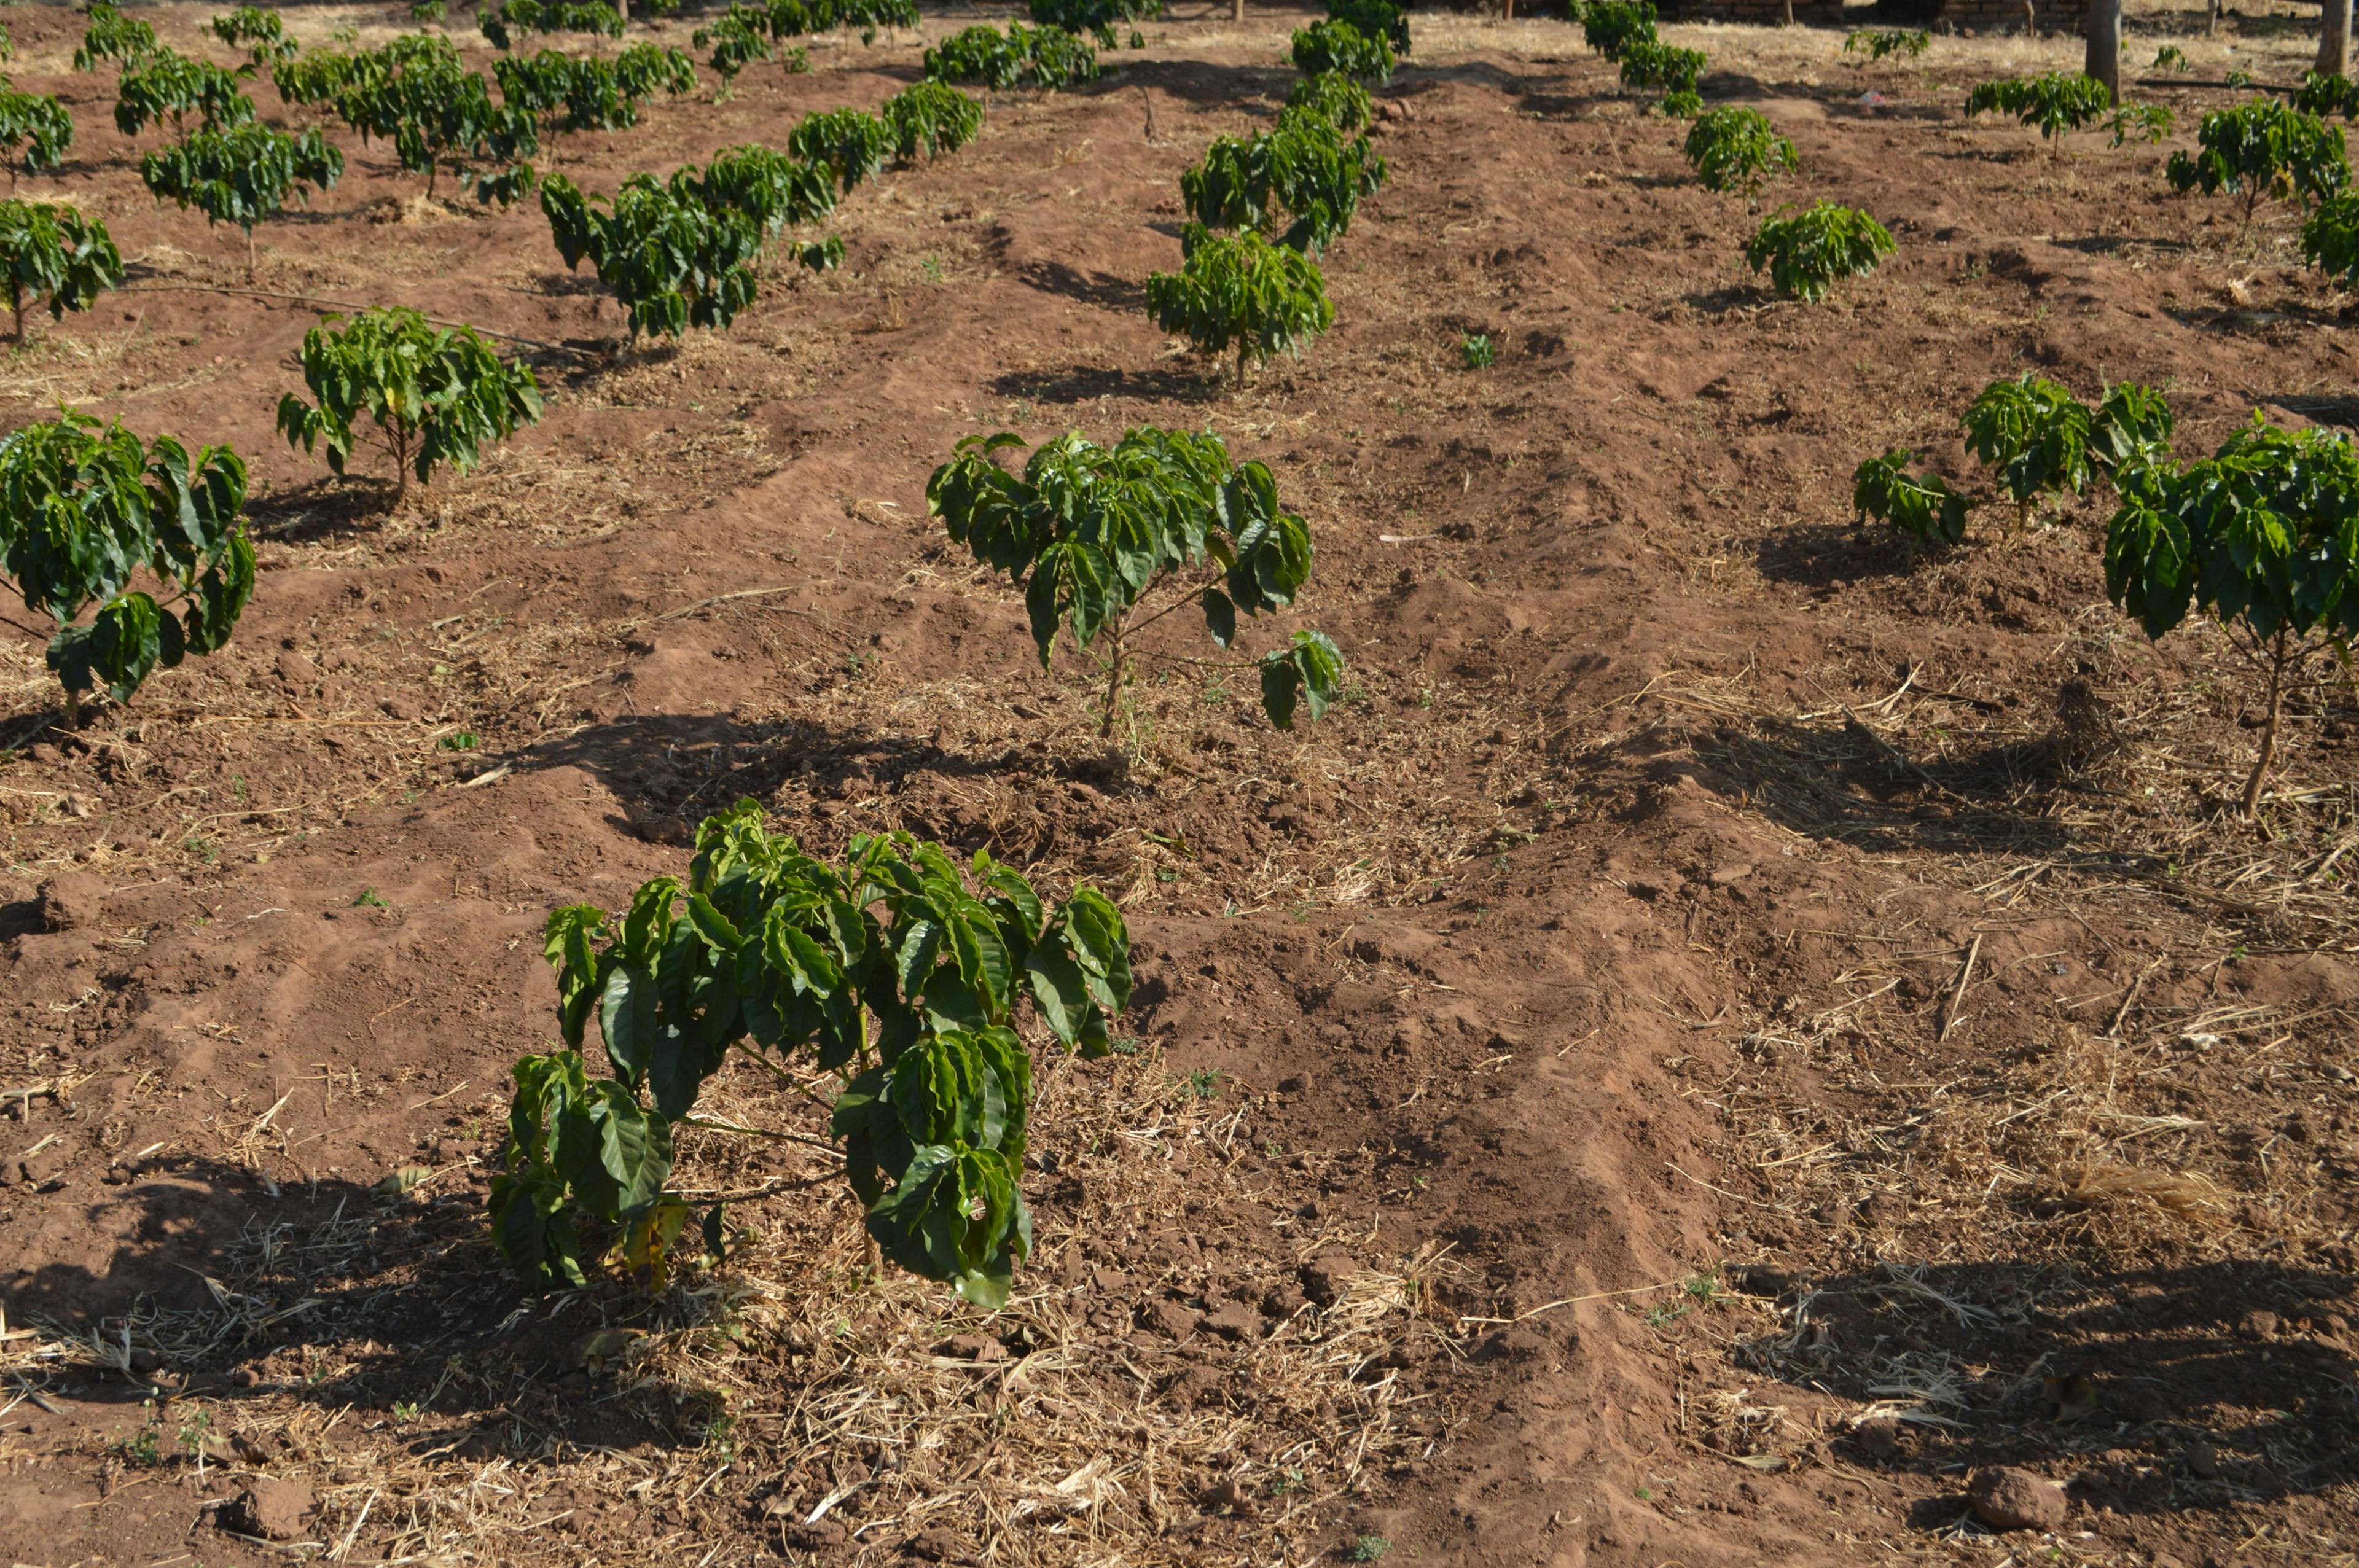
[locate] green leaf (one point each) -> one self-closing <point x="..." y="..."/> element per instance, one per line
<point x="627" y="1017"/>
<point x="1220" y="616"/>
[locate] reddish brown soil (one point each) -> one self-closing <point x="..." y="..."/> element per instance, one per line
<point x="1597" y="963"/>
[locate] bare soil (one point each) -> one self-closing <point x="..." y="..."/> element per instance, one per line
<point x="1686" y="1063"/>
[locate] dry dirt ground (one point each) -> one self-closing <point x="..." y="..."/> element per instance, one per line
<point x="1685" y="1064"/>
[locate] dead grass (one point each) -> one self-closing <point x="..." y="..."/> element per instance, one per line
<point x="797" y="1391"/>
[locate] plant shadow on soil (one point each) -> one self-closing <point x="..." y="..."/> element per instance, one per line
<point x="670" y="772"/>
<point x="1088" y="288"/>
<point x="2117" y="1371"/>
<point x="1201" y="82"/>
<point x="1829" y="555"/>
<point x="2319" y="408"/>
<point x="1084" y="383"/>
<point x="321" y="508"/>
<point x="332" y="1294"/>
<point x="1843" y="782"/>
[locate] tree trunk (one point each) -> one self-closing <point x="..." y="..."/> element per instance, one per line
<point x="398" y="435"/>
<point x="249" y="255"/>
<point x="2335" y="39"/>
<point x="2212" y="25"/>
<point x="2269" y="729"/>
<point x="1789" y="13"/>
<point x="2104" y="56"/>
<point x="1113" y="684"/>
<point x="1238" y="10"/>
<point x="623" y="9"/>
<point x="16" y="304"/>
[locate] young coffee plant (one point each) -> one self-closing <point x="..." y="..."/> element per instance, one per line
<point x="1681" y="104"/>
<point x="2058" y="102"/>
<point x="1108" y="540"/>
<point x="1652" y="66"/>
<point x="2170" y="57"/>
<point x="2040" y="442"/>
<point x="1334" y="98"/>
<point x="2259" y="536"/>
<point x="318" y="76"/>
<point x="1611" y="26"/>
<point x="1373" y="19"/>
<point x="1055" y="58"/>
<point x="793" y="18"/>
<point x="566" y="94"/>
<point x="1733" y="149"/>
<point x="1922" y="506"/>
<point x="1239" y="291"/>
<point x="672" y="261"/>
<point x="1048" y="57"/>
<point x="83" y="507"/>
<point x="35" y="133"/>
<point x="1476" y="353"/>
<point x="929" y="116"/>
<point x="438" y="395"/>
<point x="1304" y="168"/>
<point x="1340" y="47"/>
<point x="894" y="971"/>
<point x="2035" y="435"/>
<point x="416" y="95"/>
<point x="1096" y="17"/>
<point x="979" y="55"/>
<point x="162" y="84"/>
<point x="1807" y="252"/>
<point x="259" y="32"/>
<point x="2328" y="95"/>
<point x="113" y="35"/>
<point x="2263" y="148"/>
<point x="851" y="142"/>
<point x="643" y="70"/>
<point x="738" y="37"/>
<point x="1880" y="44"/>
<point x="242" y="174"/>
<point x="2148" y="122"/>
<point x="773" y="191"/>
<point x="500" y="23"/>
<point x="2330" y="239"/>
<point x="51" y="251"/>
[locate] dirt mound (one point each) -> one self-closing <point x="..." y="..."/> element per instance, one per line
<point x="1731" y="1027"/>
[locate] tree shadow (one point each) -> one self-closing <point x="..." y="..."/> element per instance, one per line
<point x="1843" y="782"/>
<point x="334" y="1294"/>
<point x="321" y="508"/>
<point x="2247" y="318"/>
<point x="2319" y="408"/>
<point x="2166" y="1389"/>
<point x="1829" y="555"/>
<point x="1200" y="82"/>
<point x="671" y="770"/>
<point x="2114" y="244"/>
<point x="1729" y="298"/>
<point x="1089" y="288"/>
<point x="1083" y="383"/>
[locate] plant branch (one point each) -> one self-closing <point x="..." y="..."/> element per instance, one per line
<point x="770" y="1188"/>
<point x="781" y="1074"/>
<point x="761" y="1132"/>
<point x="1187" y="597"/>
